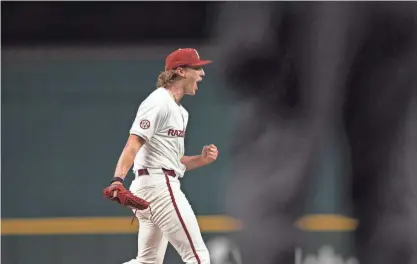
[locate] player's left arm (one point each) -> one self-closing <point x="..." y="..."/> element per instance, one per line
<point x="208" y="155"/>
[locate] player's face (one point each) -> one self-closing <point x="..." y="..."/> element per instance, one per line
<point x="193" y="75"/>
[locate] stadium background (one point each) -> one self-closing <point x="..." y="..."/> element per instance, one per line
<point x="73" y="75"/>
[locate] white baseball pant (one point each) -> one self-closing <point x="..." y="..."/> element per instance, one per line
<point x="170" y="218"/>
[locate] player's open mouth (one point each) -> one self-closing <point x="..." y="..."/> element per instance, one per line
<point x="196" y="84"/>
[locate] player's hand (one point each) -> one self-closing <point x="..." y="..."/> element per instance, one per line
<point x="115" y="192"/>
<point x="209" y="153"/>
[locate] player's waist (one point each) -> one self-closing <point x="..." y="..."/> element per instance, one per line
<point x="145" y="177"/>
<point x="144" y="163"/>
<point x="146" y="171"/>
<point x="157" y="169"/>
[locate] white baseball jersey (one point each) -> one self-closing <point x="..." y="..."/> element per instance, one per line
<point x="162" y="123"/>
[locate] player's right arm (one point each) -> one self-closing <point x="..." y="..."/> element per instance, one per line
<point x="133" y="144"/>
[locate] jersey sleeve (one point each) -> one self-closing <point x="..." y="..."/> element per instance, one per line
<point x="149" y="118"/>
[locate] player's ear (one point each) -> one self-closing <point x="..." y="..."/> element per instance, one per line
<point x="180" y="71"/>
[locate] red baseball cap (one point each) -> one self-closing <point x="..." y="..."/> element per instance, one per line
<point x="184" y="57"/>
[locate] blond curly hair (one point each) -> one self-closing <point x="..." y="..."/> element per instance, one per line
<point x="165" y="78"/>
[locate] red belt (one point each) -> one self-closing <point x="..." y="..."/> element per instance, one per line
<point x="146" y="172"/>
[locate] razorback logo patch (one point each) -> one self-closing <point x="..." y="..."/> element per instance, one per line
<point x="145" y="124"/>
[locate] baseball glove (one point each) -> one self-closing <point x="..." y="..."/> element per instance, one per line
<point x="124" y="197"/>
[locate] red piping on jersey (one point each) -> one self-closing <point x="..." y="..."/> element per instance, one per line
<point x="181" y="220"/>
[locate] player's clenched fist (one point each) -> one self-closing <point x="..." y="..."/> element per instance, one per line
<point x="210" y="153"/>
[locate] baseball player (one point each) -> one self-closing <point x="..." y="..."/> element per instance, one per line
<point x="155" y="147"/>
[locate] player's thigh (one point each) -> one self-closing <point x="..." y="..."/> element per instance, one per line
<point x="151" y="245"/>
<point x="160" y="254"/>
<point x="182" y="229"/>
